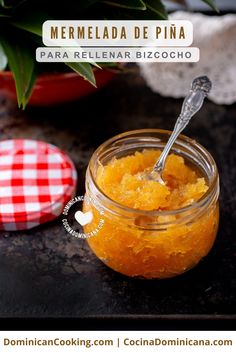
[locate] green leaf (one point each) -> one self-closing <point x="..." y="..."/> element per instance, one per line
<point x="212" y="4"/>
<point x="85" y="70"/>
<point x="157" y="7"/>
<point x="108" y="65"/>
<point x="22" y="63"/>
<point x="32" y="27"/>
<point x="181" y="2"/>
<point x="128" y="4"/>
<point x="8" y="4"/>
<point x="3" y="59"/>
<point x="32" y="23"/>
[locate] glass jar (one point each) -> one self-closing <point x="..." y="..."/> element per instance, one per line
<point x="152" y="244"/>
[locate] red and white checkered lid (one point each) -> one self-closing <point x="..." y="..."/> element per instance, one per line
<point x="36" y="181"/>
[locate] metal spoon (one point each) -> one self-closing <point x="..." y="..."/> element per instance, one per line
<point x="200" y="88"/>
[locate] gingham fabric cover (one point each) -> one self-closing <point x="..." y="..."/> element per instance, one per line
<point x="36" y="181"/>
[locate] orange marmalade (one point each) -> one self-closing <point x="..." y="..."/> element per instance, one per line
<point x="152" y="230"/>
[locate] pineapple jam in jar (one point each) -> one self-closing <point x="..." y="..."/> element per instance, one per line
<point x="152" y="230"/>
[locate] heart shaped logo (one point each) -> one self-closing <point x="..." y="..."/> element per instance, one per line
<point x="83" y="218"/>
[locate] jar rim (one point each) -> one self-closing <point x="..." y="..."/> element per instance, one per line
<point x="155" y="213"/>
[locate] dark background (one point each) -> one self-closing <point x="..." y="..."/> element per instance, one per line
<point x="45" y="273"/>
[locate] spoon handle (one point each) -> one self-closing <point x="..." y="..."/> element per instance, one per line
<point x="200" y="87"/>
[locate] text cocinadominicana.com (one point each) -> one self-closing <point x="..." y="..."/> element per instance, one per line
<point x="88" y="343"/>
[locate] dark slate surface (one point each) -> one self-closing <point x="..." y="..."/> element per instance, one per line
<point x="45" y="272"/>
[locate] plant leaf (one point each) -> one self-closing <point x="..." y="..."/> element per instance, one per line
<point x="128" y="4"/>
<point x="212" y="4"/>
<point x="85" y="70"/>
<point x="181" y="2"/>
<point x="3" y="59"/>
<point x="8" y="4"/>
<point x="157" y="7"/>
<point x="32" y="27"/>
<point x="32" y="23"/>
<point x="22" y="63"/>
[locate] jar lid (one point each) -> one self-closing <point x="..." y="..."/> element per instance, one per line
<point x="36" y="181"/>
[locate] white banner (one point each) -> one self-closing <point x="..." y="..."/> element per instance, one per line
<point x="128" y="54"/>
<point x="117" y="33"/>
<point x="165" y="342"/>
